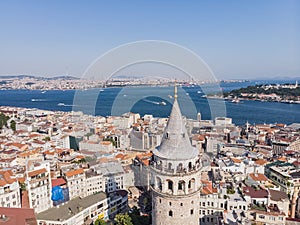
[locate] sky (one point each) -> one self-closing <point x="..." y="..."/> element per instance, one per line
<point x="237" y="39"/>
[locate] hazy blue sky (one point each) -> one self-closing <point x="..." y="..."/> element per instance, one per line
<point x="238" y="39"/>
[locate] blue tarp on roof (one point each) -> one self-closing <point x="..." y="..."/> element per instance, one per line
<point x="57" y="194"/>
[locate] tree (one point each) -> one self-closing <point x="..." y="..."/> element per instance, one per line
<point x="47" y="138"/>
<point x="13" y="125"/>
<point x="137" y="219"/>
<point x="123" y="219"/>
<point x="3" y="120"/>
<point x="111" y="140"/>
<point x="100" y="222"/>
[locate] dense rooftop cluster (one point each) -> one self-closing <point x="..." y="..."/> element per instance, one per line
<point x="90" y="165"/>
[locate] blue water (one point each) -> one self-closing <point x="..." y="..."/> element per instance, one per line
<point x="148" y="100"/>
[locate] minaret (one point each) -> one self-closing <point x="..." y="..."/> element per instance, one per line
<point x="175" y="175"/>
<point x="199" y="117"/>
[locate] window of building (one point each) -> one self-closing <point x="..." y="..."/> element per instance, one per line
<point x="192" y="211"/>
<point x="272" y="218"/>
<point x="170" y="203"/>
<point x="181" y="204"/>
<point x="170" y="213"/>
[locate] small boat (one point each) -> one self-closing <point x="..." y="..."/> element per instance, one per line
<point x="61" y="104"/>
<point x="163" y="103"/>
<point x="199" y="92"/>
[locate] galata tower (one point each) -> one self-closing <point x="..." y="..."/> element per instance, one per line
<point x="175" y="175"/>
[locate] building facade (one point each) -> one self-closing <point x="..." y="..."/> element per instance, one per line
<point x="38" y="184"/>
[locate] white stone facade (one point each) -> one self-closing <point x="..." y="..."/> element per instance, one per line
<point x="10" y="195"/>
<point x="38" y="184"/>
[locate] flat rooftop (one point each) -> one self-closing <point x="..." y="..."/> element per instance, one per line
<point x="76" y="205"/>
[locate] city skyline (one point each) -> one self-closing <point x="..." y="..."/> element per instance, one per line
<point x="257" y="39"/>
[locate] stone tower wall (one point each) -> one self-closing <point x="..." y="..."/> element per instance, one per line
<point x="175" y="210"/>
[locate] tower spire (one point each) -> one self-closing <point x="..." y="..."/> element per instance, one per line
<point x="175" y="90"/>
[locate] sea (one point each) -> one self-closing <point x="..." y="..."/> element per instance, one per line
<point x="157" y="101"/>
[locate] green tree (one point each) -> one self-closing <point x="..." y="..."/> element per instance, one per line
<point x="100" y="222"/>
<point x="3" y="120"/>
<point x="47" y="138"/>
<point x="111" y="140"/>
<point x="138" y="219"/>
<point x="13" y="125"/>
<point x="123" y="219"/>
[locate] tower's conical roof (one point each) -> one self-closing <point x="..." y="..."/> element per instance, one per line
<point x="176" y="144"/>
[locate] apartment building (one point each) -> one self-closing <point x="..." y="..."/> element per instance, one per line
<point x="38" y="184"/>
<point x="9" y="190"/>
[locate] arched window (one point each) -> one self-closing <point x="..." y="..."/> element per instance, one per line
<point x="171" y="213"/>
<point x="170" y="185"/>
<point x="190" y="166"/>
<point x="159" y="183"/>
<point x="191" y="185"/>
<point x="180" y="167"/>
<point x="181" y="186"/>
<point x="169" y="166"/>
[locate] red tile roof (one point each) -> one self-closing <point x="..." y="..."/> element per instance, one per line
<point x="36" y="172"/>
<point x="25" y="200"/>
<point x="258" y="176"/>
<point x="17" y="216"/>
<point x="261" y="193"/>
<point x="5" y="178"/>
<point x="74" y="172"/>
<point x="58" y="182"/>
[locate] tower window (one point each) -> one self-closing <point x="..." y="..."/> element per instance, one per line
<point x="170" y="203"/>
<point x="159" y="200"/>
<point x="181" y="204"/>
<point x="170" y="213"/>
<point x="192" y="211"/>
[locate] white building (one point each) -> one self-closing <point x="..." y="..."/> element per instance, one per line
<point x="113" y="175"/>
<point x="9" y="191"/>
<point x="38" y="184"/>
<point x="77" y="211"/>
<point x="94" y="183"/>
<point x="76" y="181"/>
